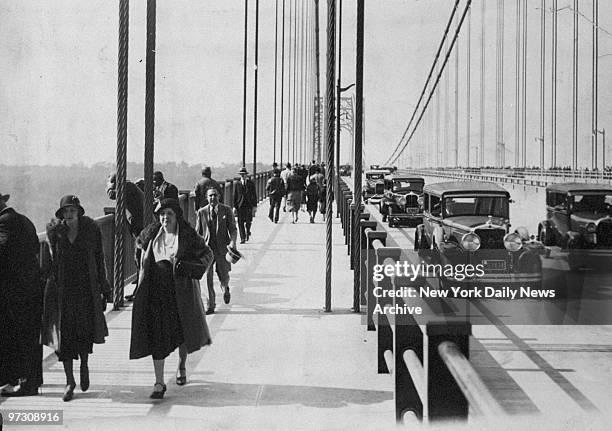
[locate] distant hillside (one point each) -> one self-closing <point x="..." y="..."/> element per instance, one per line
<point x="36" y="190"/>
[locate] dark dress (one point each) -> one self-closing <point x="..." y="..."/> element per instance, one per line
<point x="312" y="197"/>
<point x="77" y="328"/>
<point x="164" y="326"/>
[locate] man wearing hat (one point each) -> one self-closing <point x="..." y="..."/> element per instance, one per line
<point x="276" y="190"/>
<point x="20" y="304"/>
<point x="203" y="185"/>
<point x="215" y="222"/>
<point x="245" y="204"/>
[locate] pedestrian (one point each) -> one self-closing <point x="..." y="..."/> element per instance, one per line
<point x="284" y="174"/>
<point x="162" y="188"/>
<point x="168" y="311"/>
<point x="77" y="291"/>
<point x="318" y="176"/>
<point x="312" y="198"/>
<point x="245" y="204"/>
<point x="203" y="185"/>
<point x="295" y="187"/>
<point x="323" y="199"/>
<point x="215" y="223"/>
<point x="20" y="304"/>
<point x="134" y="211"/>
<point x="276" y="190"/>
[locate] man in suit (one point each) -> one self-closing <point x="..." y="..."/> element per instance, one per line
<point x="215" y="222"/>
<point x="134" y="198"/>
<point x="20" y="304"/>
<point x="202" y="187"/>
<point x="245" y="204"/>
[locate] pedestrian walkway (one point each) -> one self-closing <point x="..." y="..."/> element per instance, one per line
<point x="277" y="361"/>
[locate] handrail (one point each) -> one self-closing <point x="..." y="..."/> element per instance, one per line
<point x="472" y="386"/>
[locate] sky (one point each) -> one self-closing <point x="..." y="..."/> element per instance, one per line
<point x="58" y="91"/>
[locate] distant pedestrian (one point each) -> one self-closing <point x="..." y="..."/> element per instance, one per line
<point x="295" y="187"/>
<point x="134" y="198"/>
<point x="323" y="200"/>
<point x="245" y="204"/>
<point x="162" y="188"/>
<point x="276" y="190"/>
<point x="215" y="222"/>
<point x="203" y="185"/>
<point x="283" y="175"/>
<point x="168" y="311"/>
<point x="318" y="176"/>
<point x="20" y="304"/>
<point x="77" y="293"/>
<point x="312" y="199"/>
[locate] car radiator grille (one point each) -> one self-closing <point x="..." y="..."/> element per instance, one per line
<point x="379" y="189"/>
<point x="491" y="238"/>
<point x="412" y="201"/>
<point x="604" y="233"/>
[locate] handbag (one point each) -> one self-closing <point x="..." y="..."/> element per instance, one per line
<point x="193" y="270"/>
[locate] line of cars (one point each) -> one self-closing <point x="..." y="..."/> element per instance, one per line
<point x="469" y="223"/>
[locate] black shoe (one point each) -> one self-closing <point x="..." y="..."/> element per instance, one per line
<point x="181" y="376"/>
<point x="24" y="390"/>
<point x="211" y="310"/>
<point x="159" y="389"/>
<point x="242" y="241"/>
<point x="84" y="378"/>
<point x="69" y="392"/>
<point x="227" y="296"/>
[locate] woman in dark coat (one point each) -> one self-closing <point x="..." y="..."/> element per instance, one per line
<point x="168" y="310"/>
<point x="312" y="198"/>
<point x="76" y="294"/>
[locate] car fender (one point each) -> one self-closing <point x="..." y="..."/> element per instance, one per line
<point x="438" y="235"/>
<point x="529" y="261"/>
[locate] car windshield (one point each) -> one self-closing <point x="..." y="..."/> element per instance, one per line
<point x="496" y="206"/>
<point x="375" y="176"/>
<point x="407" y="185"/>
<point x="593" y="203"/>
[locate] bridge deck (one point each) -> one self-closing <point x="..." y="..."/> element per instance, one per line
<point x="277" y="360"/>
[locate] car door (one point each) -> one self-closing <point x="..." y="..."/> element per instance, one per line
<point x="557" y="214"/>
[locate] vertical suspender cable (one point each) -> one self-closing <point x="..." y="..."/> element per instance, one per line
<point x="255" y="96"/>
<point x="517" y="86"/>
<point x="295" y="68"/>
<point x="282" y="107"/>
<point x="244" y="83"/>
<point x="468" y="86"/>
<point x="446" y="120"/>
<point x="524" y="82"/>
<point x="553" y="119"/>
<point x="595" y="79"/>
<point x="318" y="95"/>
<point x="329" y="124"/>
<point x="456" y="145"/>
<point x="289" y="73"/>
<point x="275" y="78"/>
<point x="339" y="104"/>
<point x="483" y="22"/>
<point x="575" y="91"/>
<point x="438" y="158"/>
<point x="149" y="141"/>
<point x="302" y="51"/>
<point x="542" y="81"/>
<point x="356" y="237"/>
<point x="122" y="98"/>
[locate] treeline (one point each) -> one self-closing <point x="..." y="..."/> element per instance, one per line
<point x="36" y="190"/>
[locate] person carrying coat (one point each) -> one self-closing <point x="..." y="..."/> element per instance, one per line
<point x="77" y="290"/>
<point x="20" y="304"/>
<point x="215" y="223"/>
<point x="168" y="311"/>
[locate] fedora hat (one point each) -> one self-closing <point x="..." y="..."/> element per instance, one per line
<point x="69" y="201"/>
<point x="232" y="255"/>
<point x="243" y="170"/>
<point x="4" y="198"/>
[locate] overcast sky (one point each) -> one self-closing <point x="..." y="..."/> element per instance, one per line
<point x="58" y="85"/>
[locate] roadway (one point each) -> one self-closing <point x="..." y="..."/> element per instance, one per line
<point x="555" y="358"/>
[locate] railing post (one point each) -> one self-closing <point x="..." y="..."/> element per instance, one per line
<point x="363" y="255"/>
<point x="350" y="209"/>
<point x="385" y="334"/>
<point x="229" y="192"/>
<point x="445" y="399"/>
<point x="371" y="236"/>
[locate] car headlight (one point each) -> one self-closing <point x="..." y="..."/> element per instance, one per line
<point x="513" y="242"/>
<point x="470" y="242"/>
<point x="402" y="200"/>
<point x="591" y="228"/>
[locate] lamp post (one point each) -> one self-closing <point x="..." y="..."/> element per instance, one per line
<point x="541" y="140"/>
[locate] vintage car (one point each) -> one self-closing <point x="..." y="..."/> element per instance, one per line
<point x="345" y="170"/>
<point x="401" y="201"/>
<point x="374" y="184"/>
<point x="578" y="219"/>
<point x="468" y="223"/>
